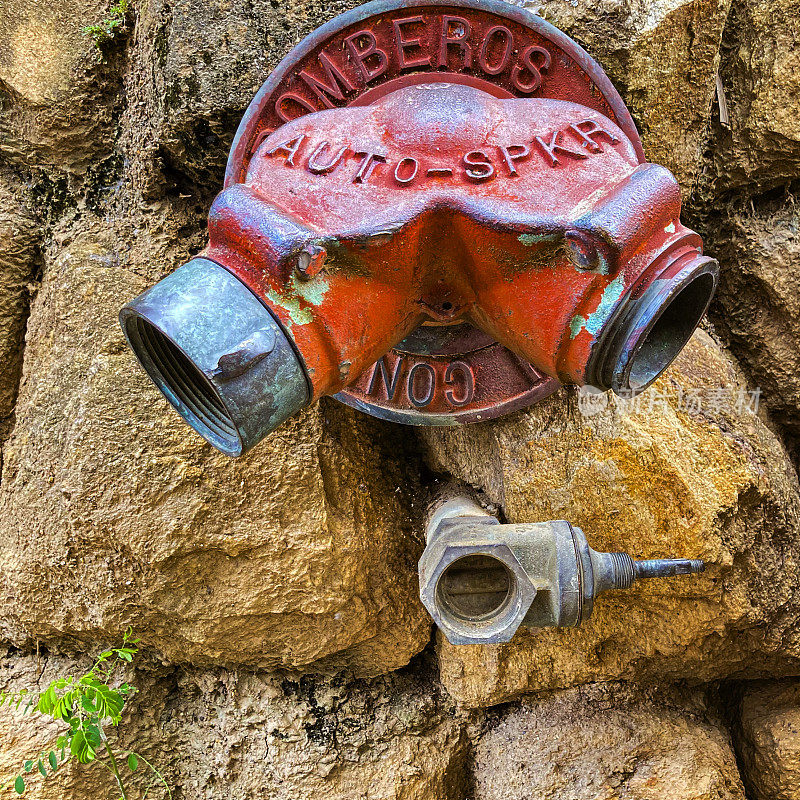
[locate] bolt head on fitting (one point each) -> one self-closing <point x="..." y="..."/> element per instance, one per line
<point x="475" y="589"/>
<point x="217" y="354"/>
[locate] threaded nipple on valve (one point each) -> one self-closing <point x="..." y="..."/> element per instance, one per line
<point x="626" y="570"/>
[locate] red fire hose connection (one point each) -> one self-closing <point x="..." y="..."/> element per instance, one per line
<point x="418" y="167"/>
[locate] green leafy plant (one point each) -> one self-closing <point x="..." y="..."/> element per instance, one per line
<point x="112" y="25"/>
<point x="89" y="705"/>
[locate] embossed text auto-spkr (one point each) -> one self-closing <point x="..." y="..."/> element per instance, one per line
<point x="575" y="142"/>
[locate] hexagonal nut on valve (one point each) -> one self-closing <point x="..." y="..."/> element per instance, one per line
<point x="475" y="589"/>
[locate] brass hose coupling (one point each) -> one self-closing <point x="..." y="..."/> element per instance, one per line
<point x="481" y="579"/>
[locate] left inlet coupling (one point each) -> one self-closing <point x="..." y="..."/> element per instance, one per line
<point x="481" y="580"/>
<point x="217" y="354"/>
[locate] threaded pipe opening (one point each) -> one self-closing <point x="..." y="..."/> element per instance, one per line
<point x="650" y="329"/>
<point x="674" y="323"/>
<point x="183" y="383"/>
<point x="475" y="588"/>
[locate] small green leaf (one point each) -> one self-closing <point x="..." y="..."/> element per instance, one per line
<point x="53" y="761"/>
<point x="19" y="785"/>
<point x="78" y="741"/>
<point x="41" y="767"/>
<point x="133" y="762"/>
<point x="47" y="700"/>
<point x="93" y="736"/>
<point x="124" y="654"/>
<point x="88" y="705"/>
<point x="81" y="748"/>
<point x="28" y="766"/>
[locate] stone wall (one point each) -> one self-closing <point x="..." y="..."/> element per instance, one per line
<point x="286" y="653"/>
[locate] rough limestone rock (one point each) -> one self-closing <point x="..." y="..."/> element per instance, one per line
<point x="662" y="57"/>
<point x="607" y="743"/>
<point x="769" y="740"/>
<point x="195" y="69"/>
<point x="387" y="740"/>
<point x="113" y="512"/>
<point x="56" y="91"/>
<point x="18" y="240"/>
<point x="760" y="72"/>
<point x="684" y="472"/>
<point x="248" y="735"/>
<point x="758" y="306"/>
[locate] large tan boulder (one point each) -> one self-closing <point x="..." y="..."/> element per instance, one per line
<point x="663" y="59"/>
<point x="194" y="70"/>
<point x="759" y="147"/>
<point x="758" y="305"/>
<point x="769" y="740"/>
<point x="684" y="472"/>
<point x="113" y="512"/>
<point x="220" y="734"/>
<point x="18" y="254"/>
<point x="389" y="739"/>
<point x="608" y="743"/>
<point x="57" y="94"/>
<point x="751" y="217"/>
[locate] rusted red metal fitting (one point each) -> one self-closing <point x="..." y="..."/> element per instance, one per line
<point x="442" y="199"/>
<point x="532" y="219"/>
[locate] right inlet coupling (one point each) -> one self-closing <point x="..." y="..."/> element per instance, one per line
<point x="480" y="579"/>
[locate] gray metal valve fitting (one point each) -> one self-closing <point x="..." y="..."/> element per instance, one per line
<point x="481" y="579"/>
